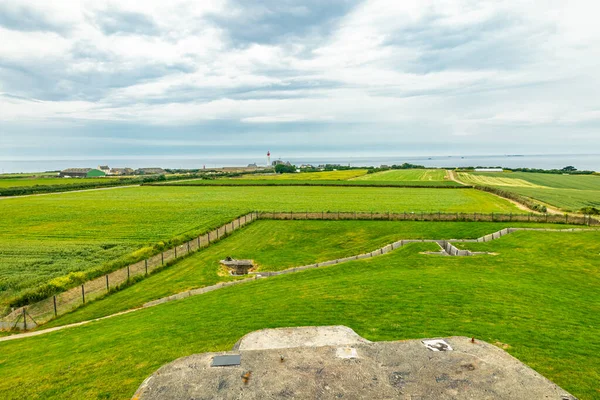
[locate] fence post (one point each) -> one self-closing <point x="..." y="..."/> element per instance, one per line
<point x="128" y="274"/>
<point x="162" y="258"/>
<point x="566" y="218"/>
<point x="291" y="215"/>
<point x="107" y="287"/>
<point x="24" y="319"/>
<point x="175" y="251"/>
<point x="546" y="217"/>
<point x="322" y="214"/>
<point x="199" y="241"/>
<point x="338" y="216"/>
<point x="55" y="310"/>
<point x="226" y="229"/>
<point x="189" y="246"/>
<point x="83" y="294"/>
<point x="146" y="265"/>
<point x="492" y="217"/>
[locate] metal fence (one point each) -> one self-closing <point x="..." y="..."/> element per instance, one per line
<point x="432" y="216"/>
<point x="38" y="313"/>
<point x="44" y="310"/>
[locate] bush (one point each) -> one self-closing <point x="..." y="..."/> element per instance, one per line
<point x="589" y="211"/>
<point x="285" y="169"/>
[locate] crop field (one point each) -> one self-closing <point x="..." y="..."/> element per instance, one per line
<point x="524" y="299"/>
<point x="44" y="238"/>
<point x="22" y="182"/>
<point x="410" y="175"/>
<point x="308" y="176"/>
<point x="313" y="182"/>
<point x="567" y="192"/>
<point x="277" y="245"/>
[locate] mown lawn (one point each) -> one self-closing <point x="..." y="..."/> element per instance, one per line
<point x="545" y="311"/>
<point x="46" y="237"/>
<point x="274" y="246"/>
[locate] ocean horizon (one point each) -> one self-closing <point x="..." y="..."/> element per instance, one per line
<point x="542" y="161"/>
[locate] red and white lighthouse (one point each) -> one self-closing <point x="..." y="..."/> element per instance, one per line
<point x="268" y="158"/>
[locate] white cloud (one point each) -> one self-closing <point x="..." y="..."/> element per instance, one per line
<point x="455" y="67"/>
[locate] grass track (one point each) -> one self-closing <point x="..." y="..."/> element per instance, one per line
<point x="46" y="237"/>
<point x="545" y="310"/>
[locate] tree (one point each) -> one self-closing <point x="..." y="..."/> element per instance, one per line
<point x="569" y="168"/>
<point x="285" y="169"/>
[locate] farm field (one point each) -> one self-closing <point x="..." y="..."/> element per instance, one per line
<point x="567" y="192"/>
<point x="47" y="237"/>
<point x="277" y="245"/>
<point x="307" y="176"/>
<point x="417" y="177"/>
<point x="410" y="175"/>
<point x="24" y="182"/>
<point x="524" y="299"/>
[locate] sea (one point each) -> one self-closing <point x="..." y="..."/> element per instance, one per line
<point x="543" y="161"/>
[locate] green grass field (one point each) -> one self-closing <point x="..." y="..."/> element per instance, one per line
<point x="421" y="177"/>
<point x="277" y="245"/>
<point x="307" y="176"/>
<point x="544" y="311"/>
<point x="407" y="175"/>
<point x="43" y="238"/>
<point x="313" y="182"/>
<point x="26" y="182"/>
<point x="567" y="192"/>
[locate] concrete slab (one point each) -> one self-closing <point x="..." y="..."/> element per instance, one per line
<point x="307" y="336"/>
<point x="364" y="370"/>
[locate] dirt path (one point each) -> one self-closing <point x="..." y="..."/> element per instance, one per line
<point x="452" y="176"/>
<point x="67" y="191"/>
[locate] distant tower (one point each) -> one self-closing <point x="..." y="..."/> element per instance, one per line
<point x="268" y="158"/>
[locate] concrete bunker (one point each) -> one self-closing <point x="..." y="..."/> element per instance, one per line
<point x="237" y="267"/>
<point x="333" y="362"/>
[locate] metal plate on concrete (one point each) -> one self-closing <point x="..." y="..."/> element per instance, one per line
<point x="227" y="360"/>
<point x="437" y="345"/>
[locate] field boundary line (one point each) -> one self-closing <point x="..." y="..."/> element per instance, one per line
<point x="446" y="245"/>
<point x="51" y="307"/>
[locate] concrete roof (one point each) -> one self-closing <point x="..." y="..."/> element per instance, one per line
<point x="335" y="363"/>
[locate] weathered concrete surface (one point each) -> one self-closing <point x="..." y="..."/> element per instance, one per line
<point x="310" y="336"/>
<point x="380" y="370"/>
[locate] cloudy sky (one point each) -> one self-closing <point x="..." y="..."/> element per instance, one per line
<point x="302" y="78"/>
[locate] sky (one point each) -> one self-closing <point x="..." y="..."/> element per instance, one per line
<point x="116" y="79"/>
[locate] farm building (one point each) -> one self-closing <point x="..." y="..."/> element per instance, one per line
<point x="150" y="171"/>
<point x="121" y="171"/>
<point x="104" y="168"/>
<point x="81" y="173"/>
<point x="489" y="170"/>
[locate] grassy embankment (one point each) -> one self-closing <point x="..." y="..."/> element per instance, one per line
<point x="44" y="238"/>
<point x="277" y="245"/>
<point x="525" y="299"/>
<point x="567" y="192"/>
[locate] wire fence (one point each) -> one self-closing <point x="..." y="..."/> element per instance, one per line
<point x="44" y="310"/>
<point x="62" y="303"/>
<point x="433" y="216"/>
